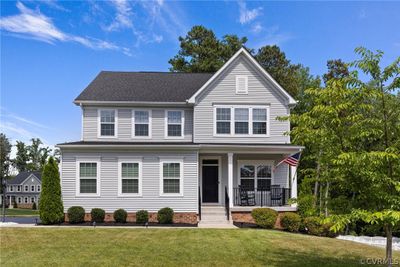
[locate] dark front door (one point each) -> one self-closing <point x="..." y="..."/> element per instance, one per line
<point x="210" y="183"/>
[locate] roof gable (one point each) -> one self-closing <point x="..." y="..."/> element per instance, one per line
<point x="258" y="67"/>
<point x="23" y="176"/>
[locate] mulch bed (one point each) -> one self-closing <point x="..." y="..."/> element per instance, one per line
<point x="90" y="224"/>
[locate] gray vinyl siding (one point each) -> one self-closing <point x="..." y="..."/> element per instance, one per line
<point x="223" y="91"/>
<point x="150" y="199"/>
<point x="124" y="133"/>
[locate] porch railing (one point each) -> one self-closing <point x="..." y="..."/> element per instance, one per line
<point x="227" y="203"/>
<point x="273" y="197"/>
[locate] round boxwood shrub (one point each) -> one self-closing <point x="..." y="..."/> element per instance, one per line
<point x="313" y="226"/>
<point x="290" y="221"/>
<point x="98" y="215"/>
<point x="76" y="214"/>
<point x="264" y="217"/>
<point x="165" y="216"/>
<point x="120" y="216"/>
<point x="142" y="216"/>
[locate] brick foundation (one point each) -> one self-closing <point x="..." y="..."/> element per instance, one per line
<point x="245" y="217"/>
<point x="179" y="217"/>
<point x="25" y="206"/>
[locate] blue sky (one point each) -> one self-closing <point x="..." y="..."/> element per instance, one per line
<point x="51" y="50"/>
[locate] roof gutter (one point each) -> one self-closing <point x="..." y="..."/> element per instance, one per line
<point x="128" y="103"/>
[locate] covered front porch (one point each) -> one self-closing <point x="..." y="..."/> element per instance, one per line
<point x="243" y="177"/>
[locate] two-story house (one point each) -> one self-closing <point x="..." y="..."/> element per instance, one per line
<point x="24" y="189"/>
<point x="200" y="143"/>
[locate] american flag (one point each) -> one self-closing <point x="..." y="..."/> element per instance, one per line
<point x="292" y="160"/>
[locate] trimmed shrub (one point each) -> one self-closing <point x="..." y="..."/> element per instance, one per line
<point x="120" y="216"/>
<point x="165" y="216"/>
<point x="264" y="217"/>
<point x="98" y="215"/>
<point x="142" y="216"/>
<point x="291" y="221"/>
<point x="314" y="226"/>
<point x="76" y="214"/>
<point x="34" y="206"/>
<point x="51" y="208"/>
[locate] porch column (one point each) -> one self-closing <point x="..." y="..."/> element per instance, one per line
<point x="293" y="178"/>
<point x="230" y="179"/>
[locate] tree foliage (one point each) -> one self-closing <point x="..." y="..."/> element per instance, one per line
<point x="5" y="149"/>
<point x="31" y="157"/>
<point x="337" y="69"/>
<point x="51" y="208"/>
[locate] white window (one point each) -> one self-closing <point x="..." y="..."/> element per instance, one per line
<point x="26" y="200"/>
<point x="255" y="175"/>
<point x="33" y="200"/>
<point x="11" y="188"/>
<point x="174" y="123"/>
<point x="88" y="183"/>
<point x="241" y="84"/>
<point x="18" y="188"/>
<point x="223" y="120"/>
<point x="107" y="123"/>
<point x="241" y="120"/>
<point x="130" y="182"/>
<point x="26" y="189"/>
<point x="171" y="178"/>
<point x="32" y="188"/>
<point x="141" y="122"/>
<point x="19" y="200"/>
<point x="38" y="188"/>
<point x="260" y="121"/>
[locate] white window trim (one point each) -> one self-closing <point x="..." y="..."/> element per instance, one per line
<point x="33" y="186"/>
<point x="241" y="92"/>
<point x="99" y="123"/>
<point x="255" y="163"/>
<point x="19" y="199"/>
<point x="38" y="188"/>
<point x="25" y="190"/>
<point x="19" y="188"/>
<point x="11" y="188"/>
<point x="180" y="194"/>
<point x="26" y="200"/>
<point x="166" y="124"/>
<point x="120" y="194"/>
<point x="149" y="123"/>
<point x="77" y="182"/>
<point x="232" y="134"/>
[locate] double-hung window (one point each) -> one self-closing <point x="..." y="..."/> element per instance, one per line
<point x="107" y="119"/>
<point x="18" y="188"/>
<point x="171" y="177"/>
<point x="38" y="188"/>
<point x="241" y="120"/>
<point x="174" y="123"/>
<point x="88" y="181"/>
<point x="260" y="121"/>
<point x="130" y="181"/>
<point x="223" y="120"/>
<point x="255" y="175"/>
<point x="11" y="188"/>
<point x="26" y="188"/>
<point x="141" y="123"/>
<point x="32" y="188"/>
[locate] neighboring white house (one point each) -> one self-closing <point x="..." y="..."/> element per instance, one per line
<point x="181" y="140"/>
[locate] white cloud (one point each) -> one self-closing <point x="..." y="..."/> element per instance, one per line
<point x="123" y="16"/>
<point x="256" y="28"/>
<point x="247" y="15"/>
<point x="32" y="24"/>
<point x="273" y="37"/>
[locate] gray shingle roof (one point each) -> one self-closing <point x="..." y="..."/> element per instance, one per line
<point x="22" y="176"/>
<point x="143" y="86"/>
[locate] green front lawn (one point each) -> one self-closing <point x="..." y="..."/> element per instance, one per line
<point x="175" y="247"/>
<point x="20" y="212"/>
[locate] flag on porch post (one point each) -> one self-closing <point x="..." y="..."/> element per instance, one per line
<point x="292" y="160"/>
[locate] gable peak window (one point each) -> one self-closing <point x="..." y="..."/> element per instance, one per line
<point x="107" y="122"/>
<point x="141" y="123"/>
<point x="241" y="84"/>
<point x="174" y="123"/>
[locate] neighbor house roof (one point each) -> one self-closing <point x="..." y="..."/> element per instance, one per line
<point x="143" y="86"/>
<point x="21" y="177"/>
